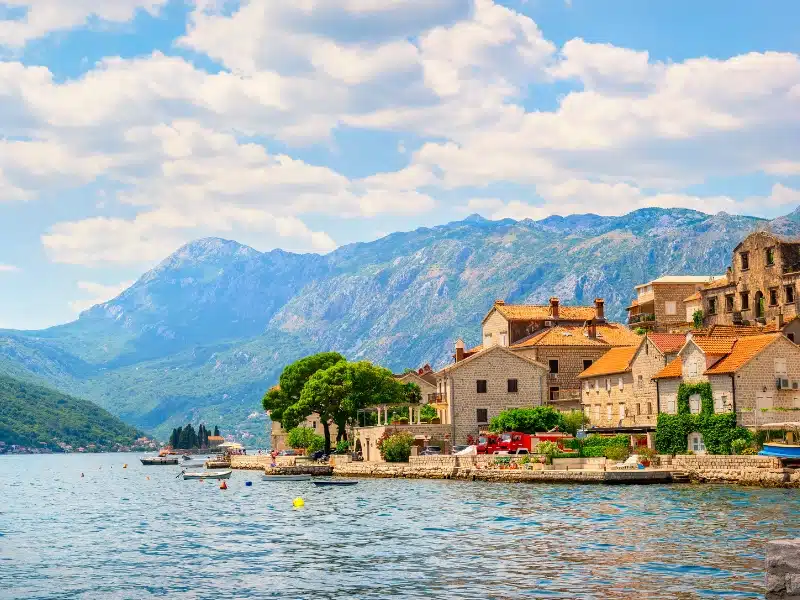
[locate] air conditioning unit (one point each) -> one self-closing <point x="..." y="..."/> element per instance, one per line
<point x="549" y="323"/>
<point x="795" y="384"/>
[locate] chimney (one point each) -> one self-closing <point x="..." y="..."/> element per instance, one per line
<point x="599" y="308"/>
<point x="459" y="350"/>
<point x="554" y="307"/>
<point x="779" y="321"/>
<point x="499" y="302"/>
<point x="592" y="330"/>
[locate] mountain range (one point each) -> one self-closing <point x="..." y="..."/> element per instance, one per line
<point x="206" y="332"/>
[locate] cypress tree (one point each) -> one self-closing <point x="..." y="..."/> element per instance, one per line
<point x="216" y="430"/>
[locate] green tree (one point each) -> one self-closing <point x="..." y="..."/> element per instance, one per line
<point x="216" y="431"/>
<point x="304" y="437"/>
<point x="697" y="319"/>
<point x="427" y="413"/>
<point x="527" y="420"/>
<point x="574" y="420"/>
<point x="397" y="447"/>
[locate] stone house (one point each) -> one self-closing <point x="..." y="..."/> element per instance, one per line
<point x="424" y="377"/>
<point x="568" y="350"/>
<point x="619" y="394"/>
<point x="506" y="324"/>
<point x="659" y="304"/>
<point x="751" y="375"/>
<point x="761" y="285"/>
<point x="278" y="435"/>
<point x="474" y="389"/>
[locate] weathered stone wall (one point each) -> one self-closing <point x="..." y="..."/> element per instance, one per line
<point x="496" y="367"/>
<point x="309" y="469"/>
<point x="608" y="391"/>
<point x="783" y="570"/>
<point x="369" y="436"/>
<point x="744" y="470"/>
<point x="760" y="373"/>
<point x="494" y="326"/>
<point x="644" y="404"/>
<point x="671" y="292"/>
<point x="668" y="395"/>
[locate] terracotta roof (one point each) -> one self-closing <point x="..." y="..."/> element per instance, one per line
<point x="733" y="330"/>
<point x="772" y="326"/>
<point x="216" y="438"/>
<point x="477" y="348"/>
<point x="611" y="334"/>
<point x="533" y="312"/>
<point x="695" y="296"/>
<point x="722" y="282"/>
<point x="616" y="360"/>
<point x="673" y="369"/>
<point x="745" y="349"/>
<point x="714" y="345"/>
<point x="667" y="342"/>
<point x="495" y="348"/>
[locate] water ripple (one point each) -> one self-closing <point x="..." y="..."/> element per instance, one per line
<point x="116" y="534"/>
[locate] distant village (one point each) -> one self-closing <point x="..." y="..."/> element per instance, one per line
<point x="139" y="445"/>
<point x="736" y="331"/>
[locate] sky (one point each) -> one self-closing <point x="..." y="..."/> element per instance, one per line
<point x="130" y="127"/>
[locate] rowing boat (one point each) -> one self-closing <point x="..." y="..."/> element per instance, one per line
<point x="286" y="477"/>
<point x="159" y="460"/>
<point x="208" y="475"/>
<point x="332" y="482"/>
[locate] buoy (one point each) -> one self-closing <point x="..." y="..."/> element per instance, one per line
<point x="148" y="478"/>
<point x="81" y="474"/>
<point x="298" y="502"/>
<point x="125" y="466"/>
<point x="223" y="486"/>
<point x="248" y="483"/>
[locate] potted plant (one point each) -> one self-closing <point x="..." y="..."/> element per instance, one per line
<point x="647" y="456"/>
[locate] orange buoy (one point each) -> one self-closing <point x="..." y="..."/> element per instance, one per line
<point x="223" y="486"/>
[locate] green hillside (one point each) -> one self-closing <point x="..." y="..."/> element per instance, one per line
<point x="36" y="416"/>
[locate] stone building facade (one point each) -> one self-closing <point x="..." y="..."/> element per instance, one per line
<point x="659" y="304"/>
<point x="483" y="385"/>
<point x="762" y="284"/>
<point x="757" y="376"/>
<point x="278" y="435"/>
<point x="569" y="350"/>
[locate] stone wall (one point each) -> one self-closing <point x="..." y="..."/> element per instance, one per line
<point x="743" y="470"/>
<point x="644" y="406"/>
<point x="760" y="373"/>
<point x="608" y="391"/>
<point x="783" y="570"/>
<point x="369" y="436"/>
<point x="493" y="327"/>
<point x="671" y="292"/>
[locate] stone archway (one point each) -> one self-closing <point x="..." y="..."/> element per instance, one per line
<point x="759" y="305"/>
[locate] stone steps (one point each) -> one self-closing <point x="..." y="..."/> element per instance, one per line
<point x="680" y="477"/>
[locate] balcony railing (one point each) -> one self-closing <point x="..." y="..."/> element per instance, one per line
<point x="436" y="399"/>
<point x="566" y="396"/>
<point x="641" y="318"/>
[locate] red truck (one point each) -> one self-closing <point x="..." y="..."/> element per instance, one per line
<point x="515" y="442"/>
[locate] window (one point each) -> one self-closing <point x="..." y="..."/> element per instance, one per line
<point x="587" y="362"/>
<point x="512" y="386"/>
<point x="649" y="408"/>
<point x="586" y="385"/>
<point x="481" y="386"/>
<point x="770" y="256"/>
<point x="729" y="303"/>
<point x="597" y="412"/>
<point x="503" y="339"/>
<point x="640" y="381"/>
<point x="671" y="308"/>
<point x="796" y="402"/>
<point x="596" y="385"/>
<point x="620" y="384"/>
<point x="694" y="404"/>
<point x="638" y="409"/>
<point x="553" y="394"/>
<point x="745" y="260"/>
<point x="671" y="405"/>
<point x="696" y="444"/>
<point x="789" y="294"/>
<point x="764" y="400"/>
<point x="553" y="365"/>
<point x="780" y="368"/>
<point x="608" y="411"/>
<point x="621" y="411"/>
<point x="744" y="297"/>
<point x="773" y="297"/>
<point x="790" y="336"/>
<point x="487" y="340"/>
<point x="482" y="415"/>
<point x="608" y="384"/>
<point x="720" y="403"/>
<point x="712" y="305"/>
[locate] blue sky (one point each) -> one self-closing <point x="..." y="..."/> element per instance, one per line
<point x="130" y="127"/>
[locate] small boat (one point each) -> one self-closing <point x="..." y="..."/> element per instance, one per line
<point x="159" y="460"/>
<point x="194" y="463"/>
<point x="330" y="482"/>
<point x="286" y="478"/>
<point x="208" y="475"/>
<point x="781" y="450"/>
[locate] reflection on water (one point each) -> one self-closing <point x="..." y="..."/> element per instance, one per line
<point x="116" y="534"/>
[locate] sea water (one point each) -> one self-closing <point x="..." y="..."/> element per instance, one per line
<point x="142" y="532"/>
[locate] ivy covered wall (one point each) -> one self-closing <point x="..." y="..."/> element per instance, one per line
<point x="718" y="430"/>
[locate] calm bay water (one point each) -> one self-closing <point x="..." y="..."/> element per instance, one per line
<point x="116" y="534"/>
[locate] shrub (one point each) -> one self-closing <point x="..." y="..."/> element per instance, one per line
<point x="306" y="438"/>
<point x="617" y="453"/>
<point x="527" y="420"/>
<point x="749" y="451"/>
<point x="397" y="447"/>
<point x="342" y="446"/>
<point x="548" y="450"/>
<point x="574" y="420"/>
<point x="646" y="453"/>
<point x="595" y="445"/>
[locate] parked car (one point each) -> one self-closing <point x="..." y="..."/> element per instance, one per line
<point x="459" y="448"/>
<point x="288" y="453"/>
<point x="319" y="455"/>
<point x="431" y="451"/>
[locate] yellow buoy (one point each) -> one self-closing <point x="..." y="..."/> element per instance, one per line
<point x="298" y="502"/>
<point x="125" y="466"/>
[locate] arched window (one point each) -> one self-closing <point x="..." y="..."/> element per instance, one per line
<point x="760" y="305"/>
<point x="696" y="443"/>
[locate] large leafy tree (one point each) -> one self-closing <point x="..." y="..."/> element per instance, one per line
<point x="527" y="420"/>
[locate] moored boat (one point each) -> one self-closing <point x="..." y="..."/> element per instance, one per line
<point x="208" y="475"/>
<point x="159" y="460"/>
<point x="781" y="450"/>
<point x="333" y="482"/>
<point x="286" y="478"/>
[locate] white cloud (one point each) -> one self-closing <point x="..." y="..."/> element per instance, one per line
<point x="9" y="269"/>
<point x="98" y="293"/>
<point x="42" y="17"/>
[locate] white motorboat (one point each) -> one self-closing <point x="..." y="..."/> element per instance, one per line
<point x="208" y="475"/>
